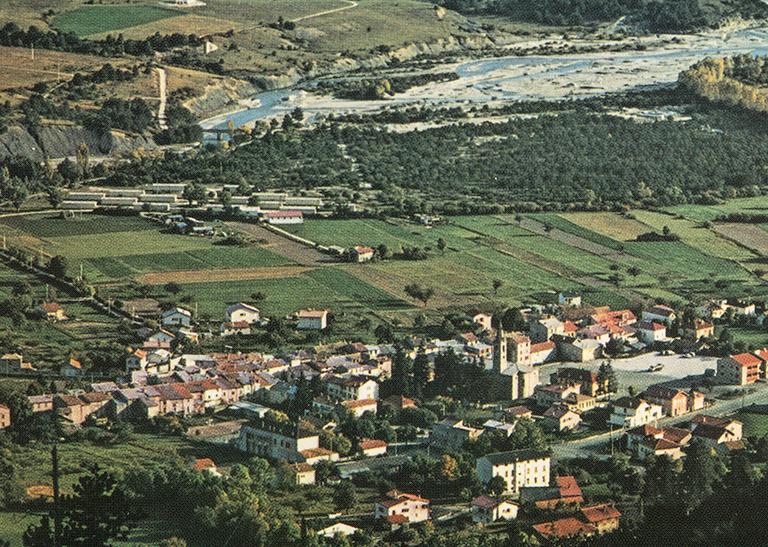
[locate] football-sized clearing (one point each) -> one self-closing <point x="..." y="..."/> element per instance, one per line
<point x="208" y="276"/>
<point x="748" y="235"/>
<point x="97" y="19"/>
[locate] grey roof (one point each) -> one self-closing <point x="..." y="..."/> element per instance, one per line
<point x="502" y="458"/>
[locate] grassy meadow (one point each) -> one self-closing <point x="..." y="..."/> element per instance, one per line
<point x="97" y="19"/>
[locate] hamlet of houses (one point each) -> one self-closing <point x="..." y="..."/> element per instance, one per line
<point x="161" y="379"/>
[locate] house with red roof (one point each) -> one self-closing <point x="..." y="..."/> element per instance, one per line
<point x="651" y="332"/>
<point x="699" y="329"/>
<point x="564" y="492"/>
<point x="370" y="448"/>
<point x="400" y="508"/>
<point x="647" y="440"/>
<point x="741" y="369"/>
<point x="563" y="529"/>
<point x="604" y="517"/>
<point x="52" y="311"/>
<point x="674" y="401"/>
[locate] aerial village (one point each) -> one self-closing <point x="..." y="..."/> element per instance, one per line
<point x="567" y="369"/>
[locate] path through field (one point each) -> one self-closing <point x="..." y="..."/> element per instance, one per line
<point x="163" y="84"/>
<point x="297" y="252"/>
<point x="350" y="5"/>
<point x="539" y="228"/>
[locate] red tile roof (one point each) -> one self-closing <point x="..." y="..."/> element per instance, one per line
<point x="598" y="513"/>
<point x="564" y="528"/>
<point x="369" y="444"/>
<point x="543" y="346"/>
<point x="746" y="360"/>
<point x="568" y="486"/>
<point x="202" y="464"/>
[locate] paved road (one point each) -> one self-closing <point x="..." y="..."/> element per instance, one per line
<point x="584" y="448"/>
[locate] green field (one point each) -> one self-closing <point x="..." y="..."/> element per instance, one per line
<point x="87" y="20"/>
<point x="532" y="264"/>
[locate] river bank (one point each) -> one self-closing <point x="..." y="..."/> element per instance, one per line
<point x="521" y="75"/>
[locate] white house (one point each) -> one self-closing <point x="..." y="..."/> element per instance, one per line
<point x="176" y="317"/>
<point x="660" y="314"/>
<point x="629" y="412"/>
<point x="312" y="319"/>
<point x="518" y="468"/>
<point x="240" y="312"/>
<point x="486" y="509"/>
<point x="401" y="508"/>
<point x="355" y="388"/>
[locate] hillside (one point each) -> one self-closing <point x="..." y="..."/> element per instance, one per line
<point x="642" y="16"/>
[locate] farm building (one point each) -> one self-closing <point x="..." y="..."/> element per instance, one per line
<point x="312" y="319"/>
<point x="284" y="217"/>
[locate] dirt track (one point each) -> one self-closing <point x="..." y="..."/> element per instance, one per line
<point x="301" y="254"/>
<point x="232" y="274"/>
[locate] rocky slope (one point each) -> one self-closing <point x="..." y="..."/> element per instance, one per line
<point x="59" y="141"/>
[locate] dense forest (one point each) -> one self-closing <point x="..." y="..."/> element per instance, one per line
<point x="578" y="160"/>
<point x="653" y="16"/>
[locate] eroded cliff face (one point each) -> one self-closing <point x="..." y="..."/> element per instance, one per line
<point x="219" y="95"/>
<point x="60" y="141"/>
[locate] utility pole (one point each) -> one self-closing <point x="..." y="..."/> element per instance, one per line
<point x="56" y="496"/>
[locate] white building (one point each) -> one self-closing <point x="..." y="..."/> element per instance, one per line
<point x="240" y="312"/>
<point x="486" y="509"/>
<point x="283" y="217"/>
<point x="629" y="412"/>
<point x="312" y="319"/>
<point x="278" y="441"/>
<point x="176" y="317"/>
<point x="660" y="314"/>
<point x="355" y="388"/>
<point x="338" y="529"/>
<point x="518" y="468"/>
<point x="402" y="508"/>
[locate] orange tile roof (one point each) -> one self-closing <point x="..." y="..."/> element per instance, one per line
<point x="598" y="513"/>
<point x="202" y="464"/>
<point x="568" y="486"/>
<point x="746" y="360"/>
<point x="368" y="444"/>
<point x="564" y="528"/>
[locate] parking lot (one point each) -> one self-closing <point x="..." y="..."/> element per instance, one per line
<point x="678" y="371"/>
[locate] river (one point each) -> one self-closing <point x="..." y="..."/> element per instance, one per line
<point x="534" y="77"/>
